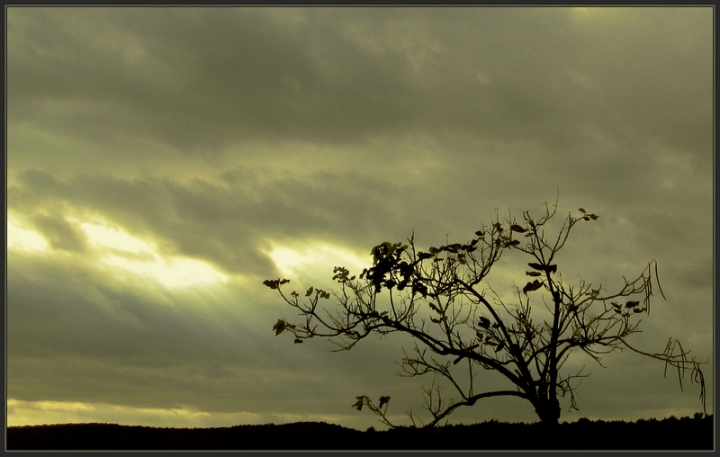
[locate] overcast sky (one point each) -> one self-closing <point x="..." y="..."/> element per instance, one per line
<point x="163" y="162"/>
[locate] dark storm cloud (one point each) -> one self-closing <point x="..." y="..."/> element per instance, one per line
<point x="233" y="75"/>
<point x="246" y="77"/>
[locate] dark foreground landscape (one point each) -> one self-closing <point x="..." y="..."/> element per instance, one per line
<point x="668" y="434"/>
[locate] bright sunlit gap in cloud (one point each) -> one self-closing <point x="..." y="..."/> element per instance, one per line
<point x="171" y="272"/>
<point x="23" y="239"/>
<point x="114" y="238"/>
<point x="118" y="248"/>
<point x="316" y="259"/>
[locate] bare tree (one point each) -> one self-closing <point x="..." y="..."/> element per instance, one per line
<point x="440" y="299"/>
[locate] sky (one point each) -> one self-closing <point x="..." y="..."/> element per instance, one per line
<point x="162" y="162"/>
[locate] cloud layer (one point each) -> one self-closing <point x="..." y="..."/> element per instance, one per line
<point x="210" y="139"/>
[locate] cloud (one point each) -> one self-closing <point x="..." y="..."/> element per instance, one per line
<point x="163" y="162"/>
<point x="347" y="75"/>
<point x="62" y="235"/>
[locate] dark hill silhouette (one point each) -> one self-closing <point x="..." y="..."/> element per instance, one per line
<point x="669" y="434"/>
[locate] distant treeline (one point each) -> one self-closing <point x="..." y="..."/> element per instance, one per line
<point x="695" y="433"/>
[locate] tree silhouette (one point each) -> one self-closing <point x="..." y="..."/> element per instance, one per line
<point x="440" y="299"/>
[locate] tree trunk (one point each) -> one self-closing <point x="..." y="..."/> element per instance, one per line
<point x="549" y="412"/>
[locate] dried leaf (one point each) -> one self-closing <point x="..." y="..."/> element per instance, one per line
<point x="359" y="404"/>
<point x="279" y="327"/>
<point x="548" y="268"/>
<point x="529" y="287"/>
<point x="517" y="228"/>
<point x="275" y="283"/>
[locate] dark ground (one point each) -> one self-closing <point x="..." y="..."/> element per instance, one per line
<point x="667" y="434"/>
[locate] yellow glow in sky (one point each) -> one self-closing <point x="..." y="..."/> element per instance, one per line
<point x="171" y="272"/>
<point x="114" y="238"/>
<point x="118" y="248"/>
<point x="318" y="256"/>
<point x="22" y="412"/>
<point x="55" y="412"/>
<point x="23" y="239"/>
